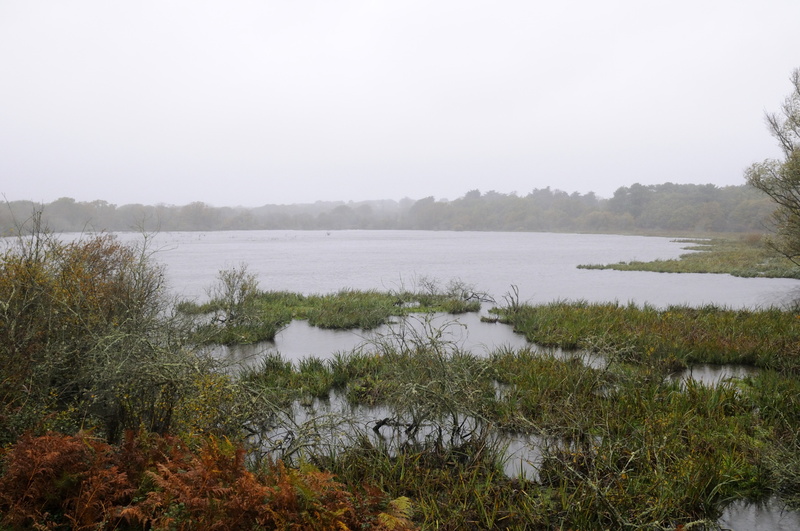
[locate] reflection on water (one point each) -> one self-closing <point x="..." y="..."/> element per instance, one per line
<point x="714" y="374"/>
<point x="300" y="340"/>
<point x="326" y="426"/>
<point x="590" y="359"/>
<point x="769" y="516"/>
<point x="542" y="265"/>
<point x="523" y="455"/>
<point x="337" y="423"/>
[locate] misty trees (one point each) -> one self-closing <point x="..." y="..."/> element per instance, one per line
<point x="780" y="179"/>
<point x="667" y="207"/>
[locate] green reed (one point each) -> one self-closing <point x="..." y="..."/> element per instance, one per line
<point x="743" y="257"/>
<point x="262" y="314"/>
<point x="767" y="338"/>
<point x="622" y="446"/>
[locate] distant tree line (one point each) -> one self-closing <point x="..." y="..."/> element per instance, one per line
<point x="637" y="208"/>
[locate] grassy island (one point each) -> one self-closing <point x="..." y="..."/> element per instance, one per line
<point x="748" y="256"/>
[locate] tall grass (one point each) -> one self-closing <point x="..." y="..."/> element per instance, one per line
<point x="622" y="446"/>
<point x="254" y="315"/>
<point x="749" y="256"/>
<point x="767" y="338"/>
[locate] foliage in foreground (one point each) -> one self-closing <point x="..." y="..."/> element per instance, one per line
<point x="611" y="445"/>
<point x="78" y="482"/>
<point x="87" y="339"/>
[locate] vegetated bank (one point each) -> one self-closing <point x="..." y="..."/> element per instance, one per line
<point x="747" y="256"/>
<point x="113" y="419"/>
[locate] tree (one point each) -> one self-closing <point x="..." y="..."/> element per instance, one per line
<point x="780" y="179"/>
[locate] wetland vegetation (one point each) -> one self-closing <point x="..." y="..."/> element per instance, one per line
<point x="112" y="417"/>
<point x="744" y="256"/>
<point x="239" y="313"/>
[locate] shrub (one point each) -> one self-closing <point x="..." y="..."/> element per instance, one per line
<point x="78" y="482"/>
<point x="87" y="339"/>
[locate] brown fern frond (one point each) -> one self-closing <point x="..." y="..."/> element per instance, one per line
<point x="71" y="476"/>
<point x="37" y="470"/>
<point x="159" y="483"/>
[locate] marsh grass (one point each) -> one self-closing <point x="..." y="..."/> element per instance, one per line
<point x="254" y="316"/>
<point x="621" y="446"/>
<point x="259" y="318"/>
<point x="670" y="337"/>
<point x="350" y="309"/>
<point x="744" y="257"/>
<point x="545" y="394"/>
<point x="618" y="444"/>
<point x="452" y="488"/>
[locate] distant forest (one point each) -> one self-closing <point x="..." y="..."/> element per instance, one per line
<point x="686" y="208"/>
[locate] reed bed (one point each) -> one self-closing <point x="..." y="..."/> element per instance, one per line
<point x="748" y="256"/>
<point x="618" y="445"/>
<point x="255" y="316"/>
<point x="408" y="431"/>
<point x="621" y="446"/>
<point x="422" y="423"/>
<point x="768" y="338"/>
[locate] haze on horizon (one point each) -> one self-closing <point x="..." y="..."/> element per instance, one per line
<point x="252" y="102"/>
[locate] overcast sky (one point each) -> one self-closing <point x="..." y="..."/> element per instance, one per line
<point x="236" y="102"/>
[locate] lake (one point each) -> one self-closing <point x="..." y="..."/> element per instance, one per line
<point x="542" y="265"/>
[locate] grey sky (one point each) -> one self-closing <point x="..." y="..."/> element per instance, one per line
<point x="251" y="102"/>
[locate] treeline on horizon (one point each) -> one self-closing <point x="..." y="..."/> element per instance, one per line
<point x="650" y="208"/>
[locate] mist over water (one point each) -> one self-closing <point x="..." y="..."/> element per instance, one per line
<point x="542" y="265"/>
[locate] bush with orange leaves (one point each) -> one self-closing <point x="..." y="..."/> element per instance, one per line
<point x="81" y="483"/>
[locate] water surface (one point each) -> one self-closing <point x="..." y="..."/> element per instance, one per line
<point x="300" y="340"/>
<point x="542" y="265"/>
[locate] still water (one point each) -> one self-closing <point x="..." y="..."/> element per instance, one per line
<point x="542" y="265"/>
<point x="300" y="340"/>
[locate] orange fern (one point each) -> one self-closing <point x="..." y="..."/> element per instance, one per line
<point x="55" y="478"/>
<point x="160" y="483"/>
